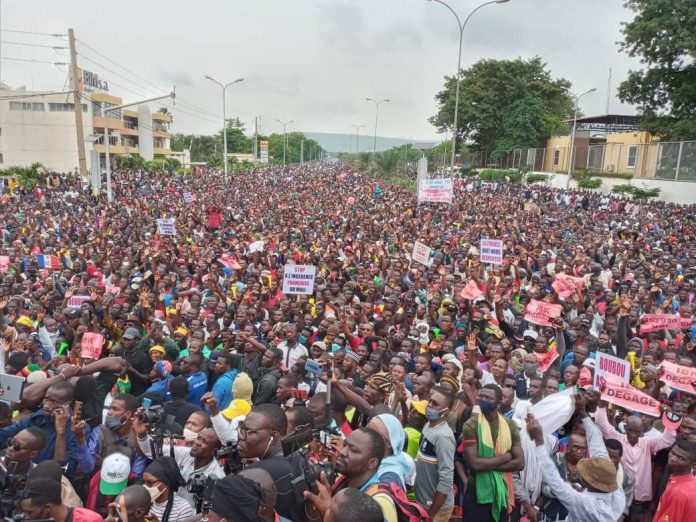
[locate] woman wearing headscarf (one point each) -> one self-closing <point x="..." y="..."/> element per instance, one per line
<point x="397" y="466"/>
<point x="162" y="479"/>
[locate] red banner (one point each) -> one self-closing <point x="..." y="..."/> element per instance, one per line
<point x="471" y="290"/>
<point x="656" y="322"/>
<point x="539" y="312"/>
<point x="565" y="285"/>
<point x="679" y="377"/>
<point x="621" y="394"/>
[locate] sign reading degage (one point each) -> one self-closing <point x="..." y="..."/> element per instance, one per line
<point x="299" y="279"/>
<point x="421" y="253"/>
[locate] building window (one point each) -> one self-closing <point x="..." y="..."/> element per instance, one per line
<point x="39" y="107"/>
<point x="632" y="155"/>
<point x="15" y="106"/>
<point x="96" y="109"/>
<point x="556" y="157"/>
<point x="2" y="159"/>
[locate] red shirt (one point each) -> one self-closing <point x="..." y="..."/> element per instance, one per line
<point x="678" y="502"/>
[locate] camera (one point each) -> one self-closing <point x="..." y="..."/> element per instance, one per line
<point x="230" y="454"/>
<point x="312" y="474"/>
<point x="153" y="415"/>
<point x="201" y="487"/>
<point x="11" y="486"/>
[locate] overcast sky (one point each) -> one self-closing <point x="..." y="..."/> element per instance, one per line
<point x="312" y="61"/>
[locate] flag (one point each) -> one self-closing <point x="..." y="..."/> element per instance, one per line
<point x="48" y="262"/>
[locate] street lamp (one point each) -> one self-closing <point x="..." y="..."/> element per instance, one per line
<point x="224" y="116"/>
<point x="285" y="139"/>
<point x="459" y="65"/>
<point x="107" y="156"/>
<point x="572" y="134"/>
<point x="357" y="137"/>
<point x="377" y="104"/>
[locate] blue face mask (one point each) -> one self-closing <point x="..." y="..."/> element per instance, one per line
<point x="432" y="414"/>
<point x="335" y="347"/>
<point x="486" y="406"/>
<point x="302" y="339"/>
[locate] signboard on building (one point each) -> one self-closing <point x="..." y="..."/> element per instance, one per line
<point x="263" y="145"/>
<point x="89" y="82"/>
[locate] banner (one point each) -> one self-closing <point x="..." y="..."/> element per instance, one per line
<point x="299" y="279"/>
<point x="656" y="322"/>
<point x="421" y="253"/>
<point x="566" y="285"/>
<point x="491" y="251"/>
<point x="166" y="227"/>
<point x="471" y="290"/>
<point x="621" y="394"/>
<point x="91" y="345"/>
<point x="4" y="264"/>
<point x="435" y="191"/>
<point x="679" y="377"/>
<point x="77" y="300"/>
<point x="539" y="312"/>
<point x="263" y="145"/>
<point x="608" y="364"/>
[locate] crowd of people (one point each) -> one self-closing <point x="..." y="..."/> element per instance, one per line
<point x="159" y="371"/>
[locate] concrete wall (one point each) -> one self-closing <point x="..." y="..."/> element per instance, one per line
<point x="682" y="192"/>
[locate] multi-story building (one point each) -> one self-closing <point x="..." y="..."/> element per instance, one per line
<point x="38" y="127"/>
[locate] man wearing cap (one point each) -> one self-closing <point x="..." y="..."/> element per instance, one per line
<point x="139" y="364"/>
<point x="597" y="497"/>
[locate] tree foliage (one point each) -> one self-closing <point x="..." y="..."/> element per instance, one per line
<point x="662" y="35"/>
<point x="505" y="104"/>
<point x="637" y="193"/>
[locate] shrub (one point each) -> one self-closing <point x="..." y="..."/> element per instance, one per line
<point x="623" y="189"/>
<point x="536" y="178"/>
<point x="500" y="175"/>
<point x="589" y="183"/>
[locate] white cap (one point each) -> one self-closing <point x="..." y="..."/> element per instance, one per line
<point x="114" y="474"/>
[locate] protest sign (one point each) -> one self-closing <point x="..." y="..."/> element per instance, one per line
<point x="166" y="227"/>
<point x="545" y="360"/>
<point x="4" y="264"/>
<point x="256" y="246"/>
<point x="491" y="251"/>
<point x="621" y="394"/>
<point x="421" y="253"/>
<point x="299" y="279"/>
<point x="679" y="377"/>
<point x="188" y="197"/>
<point x="435" y="191"/>
<point x="656" y="322"/>
<point x="566" y="285"/>
<point x="686" y="323"/>
<point x="91" y="345"/>
<point x="608" y="364"/>
<point x="471" y="290"/>
<point x="541" y="313"/>
<point x="230" y="261"/>
<point x="77" y="300"/>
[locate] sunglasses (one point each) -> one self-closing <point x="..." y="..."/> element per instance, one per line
<point x="12" y="443"/>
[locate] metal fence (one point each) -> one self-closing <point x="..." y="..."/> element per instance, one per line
<point x="659" y="160"/>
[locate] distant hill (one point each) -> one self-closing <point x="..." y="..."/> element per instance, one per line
<point x="342" y="142"/>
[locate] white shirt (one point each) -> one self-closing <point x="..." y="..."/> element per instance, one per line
<point x="227" y="430"/>
<point x="290" y="356"/>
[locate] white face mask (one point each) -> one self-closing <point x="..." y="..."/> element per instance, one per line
<point x="154" y="492"/>
<point x="190" y="435"/>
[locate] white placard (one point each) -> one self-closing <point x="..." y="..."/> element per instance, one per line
<point x="491" y="251"/>
<point x="435" y="190"/>
<point x="421" y="253"/>
<point x="608" y="364"/>
<point x="299" y="279"/>
<point x="166" y="227"/>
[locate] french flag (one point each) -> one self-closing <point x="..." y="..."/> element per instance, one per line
<point x="48" y="262"/>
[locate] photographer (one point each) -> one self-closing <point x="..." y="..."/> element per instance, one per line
<point x="249" y="496"/>
<point x="162" y="479"/>
<point x="259" y="437"/>
<point x="199" y="458"/>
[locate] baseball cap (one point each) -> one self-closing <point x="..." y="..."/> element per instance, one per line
<point x="531" y="333"/>
<point x="419" y="406"/>
<point x="114" y="474"/>
<point x="320" y="344"/>
<point x="131" y="333"/>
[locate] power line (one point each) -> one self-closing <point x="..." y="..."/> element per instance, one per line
<point x="54" y="47"/>
<point x="56" y="35"/>
<point x="20" y="96"/>
<point x="32" y="61"/>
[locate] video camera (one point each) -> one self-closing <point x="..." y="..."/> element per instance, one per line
<point x="230" y="454"/>
<point x="201" y="487"/>
<point x="153" y="415"/>
<point x="11" y="486"/>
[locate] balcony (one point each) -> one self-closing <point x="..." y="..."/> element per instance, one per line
<point x="98" y="122"/>
<point x="159" y="151"/>
<point x="158" y="116"/>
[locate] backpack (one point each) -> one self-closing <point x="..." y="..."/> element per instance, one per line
<point x="406" y="511"/>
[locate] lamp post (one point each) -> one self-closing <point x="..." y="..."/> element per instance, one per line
<point x="462" y="26"/>
<point x="107" y="155"/>
<point x="285" y="139"/>
<point x="224" y="117"/>
<point x="357" y="136"/>
<point x="572" y="134"/>
<point x="377" y="104"/>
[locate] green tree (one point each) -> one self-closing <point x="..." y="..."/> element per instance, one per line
<point x="384" y="164"/>
<point x="237" y="141"/>
<point x="662" y="35"/>
<point x="490" y="89"/>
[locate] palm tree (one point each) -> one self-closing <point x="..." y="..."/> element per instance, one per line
<point x="384" y="164"/>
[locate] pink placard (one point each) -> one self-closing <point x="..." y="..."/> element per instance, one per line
<point x="91" y="345"/>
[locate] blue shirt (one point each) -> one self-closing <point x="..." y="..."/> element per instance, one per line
<point x="222" y="389"/>
<point x="161" y="388"/>
<point x="45" y="424"/>
<point x="88" y="453"/>
<point x="198" y="385"/>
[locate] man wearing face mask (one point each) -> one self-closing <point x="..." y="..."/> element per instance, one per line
<point x="114" y="434"/>
<point x="162" y="480"/>
<point x="435" y="459"/>
<point x="492" y="448"/>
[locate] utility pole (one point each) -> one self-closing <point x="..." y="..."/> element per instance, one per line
<point x="74" y="72"/>
<point x="302" y="152"/>
<point x="256" y="137"/>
